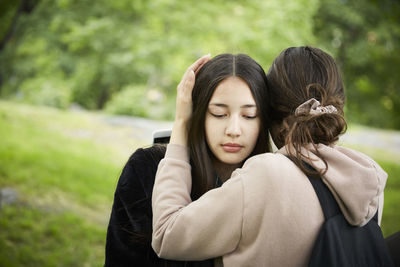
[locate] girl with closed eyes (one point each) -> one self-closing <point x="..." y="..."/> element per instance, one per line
<point x="229" y="123"/>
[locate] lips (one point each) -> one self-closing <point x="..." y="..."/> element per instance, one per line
<point x="231" y="147"/>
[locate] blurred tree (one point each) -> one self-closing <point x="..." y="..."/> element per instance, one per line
<point x="9" y="14"/>
<point x="364" y="37"/>
<point x="90" y="52"/>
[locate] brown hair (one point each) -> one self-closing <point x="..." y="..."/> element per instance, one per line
<point x="297" y="75"/>
<point x="207" y="80"/>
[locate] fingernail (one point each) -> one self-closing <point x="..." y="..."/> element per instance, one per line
<point x="209" y="55"/>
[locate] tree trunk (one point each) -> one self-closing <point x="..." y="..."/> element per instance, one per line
<point x="25" y="6"/>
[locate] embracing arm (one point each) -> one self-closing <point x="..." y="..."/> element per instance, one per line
<point x="182" y="229"/>
<point x="206" y="228"/>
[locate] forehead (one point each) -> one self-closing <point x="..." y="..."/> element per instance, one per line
<point x="233" y="90"/>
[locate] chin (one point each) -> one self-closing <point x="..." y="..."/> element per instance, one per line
<point x="232" y="160"/>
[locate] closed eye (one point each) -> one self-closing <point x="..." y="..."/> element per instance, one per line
<point x="218" y="115"/>
<point x="250" y="117"/>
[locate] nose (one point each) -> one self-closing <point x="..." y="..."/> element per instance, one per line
<point x="233" y="128"/>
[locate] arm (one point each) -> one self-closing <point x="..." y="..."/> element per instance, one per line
<point x="194" y="232"/>
<point x="206" y="228"/>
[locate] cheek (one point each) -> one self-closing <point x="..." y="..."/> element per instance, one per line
<point x="254" y="131"/>
<point x="214" y="131"/>
<point x="210" y="130"/>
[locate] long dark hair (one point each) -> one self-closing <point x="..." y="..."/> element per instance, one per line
<point x="297" y="75"/>
<point x="207" y="79"/>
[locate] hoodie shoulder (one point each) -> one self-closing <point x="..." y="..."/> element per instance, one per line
<point x="356" y="181"/>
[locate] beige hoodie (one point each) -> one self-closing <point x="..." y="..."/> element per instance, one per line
<point x="266" y="214"/>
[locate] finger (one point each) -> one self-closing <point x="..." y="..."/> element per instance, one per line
<point x="191" y="71"/>
<point x="187" y="78"/>
<point x="196" y="66"/>
<point x="204" y="60"/>
<point x="200" y="66"/>
<point x="188" y="83"/>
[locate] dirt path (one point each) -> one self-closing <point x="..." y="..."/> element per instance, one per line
<point x="385" y="140"/>
<point x="141" y="129"/>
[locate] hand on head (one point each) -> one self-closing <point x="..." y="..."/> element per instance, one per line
<point x="184" y="103"/>
<point x="184" y="90"/>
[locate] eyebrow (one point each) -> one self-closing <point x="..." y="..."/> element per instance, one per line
<point x="225" y="106"/>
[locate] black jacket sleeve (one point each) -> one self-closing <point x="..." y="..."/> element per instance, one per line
<point x="129" y="231"/>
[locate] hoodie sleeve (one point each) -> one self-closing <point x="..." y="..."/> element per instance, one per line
<point x="206" y="228"/>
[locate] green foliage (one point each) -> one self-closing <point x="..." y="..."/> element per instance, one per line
<point x="75" y="51"/>
<point x="138" y="101"/>
<point x="71" y="51"/>
<point x="364" y="37"/>
<point x="131" y="100"/>
<point x="97" y="50"/>
<point x="7" y="12"/>
<point x="47" y="91"/>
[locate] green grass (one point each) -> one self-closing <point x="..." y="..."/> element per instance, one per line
<point x="33" y="237"/>
<point x="391" y="211"/>
<point x="64" y="166"/>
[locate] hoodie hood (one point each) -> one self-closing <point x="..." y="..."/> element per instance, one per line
<point x="355" y="180"/>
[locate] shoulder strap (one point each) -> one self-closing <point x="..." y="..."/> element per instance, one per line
<point x="326" y="198"/>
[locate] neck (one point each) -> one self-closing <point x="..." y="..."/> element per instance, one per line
<point x="224" y="171"/>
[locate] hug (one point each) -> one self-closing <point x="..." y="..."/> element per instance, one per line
<point x="217" y="195"/>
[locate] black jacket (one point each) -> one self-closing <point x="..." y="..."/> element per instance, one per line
<point x="130" y="227"/>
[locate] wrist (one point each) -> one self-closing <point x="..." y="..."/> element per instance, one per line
<point x="181" y="122"/>
<point x="179" y="133"/>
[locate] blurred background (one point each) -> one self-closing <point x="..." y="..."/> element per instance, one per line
<point x="84" y="83"/>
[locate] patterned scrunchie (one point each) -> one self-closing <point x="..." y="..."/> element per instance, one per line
<point x="313" y="107"/>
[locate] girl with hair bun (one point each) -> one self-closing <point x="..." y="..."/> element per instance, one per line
<point x="307" y="100"/>
<point x="267" y="213"/>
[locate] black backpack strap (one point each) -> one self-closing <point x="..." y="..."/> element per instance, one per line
<point x="326" y="198"/>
